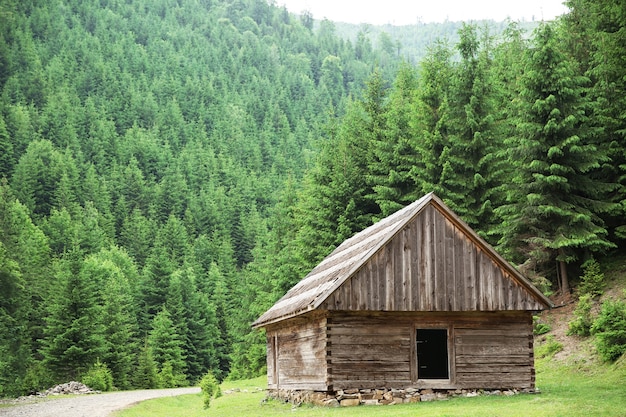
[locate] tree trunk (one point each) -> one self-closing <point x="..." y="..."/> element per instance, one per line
<point x="563" y="277"/>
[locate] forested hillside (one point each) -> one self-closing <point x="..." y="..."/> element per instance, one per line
<point x="143" y="148"/>
<point x="170" y="168"/>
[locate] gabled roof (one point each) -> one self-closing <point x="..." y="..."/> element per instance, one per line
<point x="342" y="264"/>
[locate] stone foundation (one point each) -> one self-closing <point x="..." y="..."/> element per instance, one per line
<point x="384" y="396"/>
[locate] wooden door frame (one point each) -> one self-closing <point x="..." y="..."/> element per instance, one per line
<point x="433" y="383"/>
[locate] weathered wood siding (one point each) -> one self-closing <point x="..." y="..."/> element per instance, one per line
<point x="377" y="350"/>
<point x="431" y="265"/>
<point x="296" y="354"/>
<point x="369" y="352"/>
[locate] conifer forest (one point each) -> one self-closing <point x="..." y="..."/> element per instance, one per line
<point x="170" y="168"/>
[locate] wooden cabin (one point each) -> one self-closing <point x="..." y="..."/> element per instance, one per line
<point x="417" y="300"/>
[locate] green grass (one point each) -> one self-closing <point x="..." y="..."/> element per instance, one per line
<point x="576" y="390"/>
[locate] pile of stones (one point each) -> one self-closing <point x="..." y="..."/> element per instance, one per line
<point x="71" y="387"/>
<point x="384" y="396"/>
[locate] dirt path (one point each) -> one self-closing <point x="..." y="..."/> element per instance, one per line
<point x="90" y="405"/>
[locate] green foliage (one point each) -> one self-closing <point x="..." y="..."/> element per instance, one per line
<point x="540" y="328"/>
<point x="582" y="321"/>
<point x="98" y="377"/>
<point x="145" y="375"/>
<point x="38" y="377"/>
<point x="167" y="347"/>
<point x="548" y="347"/>
<point x="201" y="157"/>
<point x="592" y="281"/>
<point x="169" y="378"/>
<point x="556" y="198"/>
<point x="610" y="330"/>
<point x="210" y="389"/>
<point x="73" y="335"/>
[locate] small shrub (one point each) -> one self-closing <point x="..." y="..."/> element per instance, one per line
<point x="37" y="378"/>
<point x="581" y="324"/>
<point x="146" y="375"/>
<point x="610" y="330"/>
<point x="98" y="377"/>
<point x="549" y="347"/>
<point x="540" y="328"/>
<point x="210" y="388"/>
<point x="592" y="281"/>
<point x="168" y="378"/>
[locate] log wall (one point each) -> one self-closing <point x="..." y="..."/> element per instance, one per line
<point x="296" y="354"/>
<point x="378" y="350"/>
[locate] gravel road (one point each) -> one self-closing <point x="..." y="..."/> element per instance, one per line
<point x="88" y="405"/>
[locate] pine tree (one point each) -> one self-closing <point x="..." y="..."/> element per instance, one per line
<point x="25" y="268"/>
<point x="471" y="170"/>
<point x="14" y="337"/>
<point x="393" y="170"/>
<point x="222" y="341"/>
<point x="73" y="334"/>
<point x="167" y="348"/>
<point x="37" y="176"/>
<point x="146" y="374"/>
<point x="597" y="34"/>
<point x="155" y="281"/>
<point x="7" y="158"/>
<point x="118" y="318"/>
<point x="192" y="318"/>
<point x="432" y="117"/>
<point x="554" y="199"/>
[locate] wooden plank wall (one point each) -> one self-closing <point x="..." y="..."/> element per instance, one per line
<point x="296" y="354"/>
<point x="497" y="357"/>
<point x="368" y="352"/>
<point x="378" y="350"/>
<point x="431" y="265"/>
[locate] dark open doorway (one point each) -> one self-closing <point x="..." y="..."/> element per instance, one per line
<point x="432" y="354"/>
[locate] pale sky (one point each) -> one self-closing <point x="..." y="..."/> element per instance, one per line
<point x="406" y="12"/>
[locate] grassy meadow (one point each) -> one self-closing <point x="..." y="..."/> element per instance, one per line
<point x="578" y="389"/>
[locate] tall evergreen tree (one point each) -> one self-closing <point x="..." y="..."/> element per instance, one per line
<point x="194" y="322"/>
<point x="25" y="270"/>
<point x="167" y="349"/>
<point x="146" y="373"/>
<point x="155" y="281"/>
<point x="432" y="118"/>
<point x="7" y="158"/>
<point x="38" y="175"/>
<point x="555" y="198"/>
<point x="597" y="34"/>
<point x="222" y="341"/>
<point x="393" y="169"/>
<point x="118" y="316"/>
<point x="73" y="335"/>
<point x="14" y="337"/>
<point x="471" y="170"/>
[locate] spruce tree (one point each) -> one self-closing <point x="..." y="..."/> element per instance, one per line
<point x="393" y="169"/>
<point x="166" y="346"/>
<point x="432" y="116"/>
<point x="221" y="343"/>
<point x="554" y="200"/>
<point x="146" y="373"/>
<point x="7" y="159"/>
<point x="73" y="336"/>
<point x="118" y="319"/>
<point x="597" y="35"/>
<point x="471" y="170"/>
<point x="14" y="337"/>
<point x="26" y="270"/>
